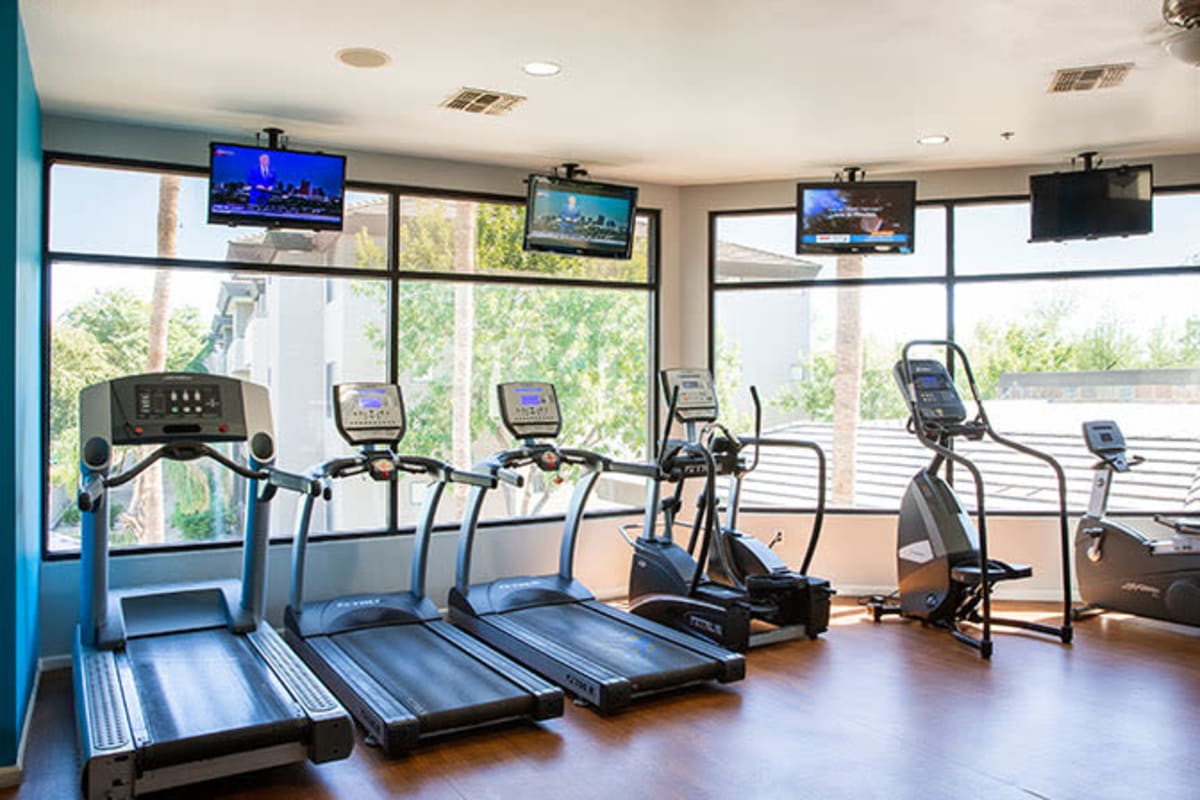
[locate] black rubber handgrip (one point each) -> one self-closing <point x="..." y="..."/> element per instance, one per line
<point x="632" y="468"/>
<point x="90" y="494"/>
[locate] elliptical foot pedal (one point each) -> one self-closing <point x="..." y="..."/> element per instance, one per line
<point x="970" y="574"/>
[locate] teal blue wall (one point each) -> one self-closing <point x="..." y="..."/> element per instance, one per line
<point x="20" y="377"/>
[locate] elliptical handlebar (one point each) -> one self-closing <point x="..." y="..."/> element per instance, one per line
<point x="758" y="438"/>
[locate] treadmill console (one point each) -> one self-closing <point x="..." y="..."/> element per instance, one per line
<point x="369" y="413"/>
<point x="697" y="394"/>
<point x="933" y="395"/>
<point x="530" y="409"/>
<point x="176" y="406"/>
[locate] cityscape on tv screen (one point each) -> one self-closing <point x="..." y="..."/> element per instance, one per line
<point x="275" y="187"/>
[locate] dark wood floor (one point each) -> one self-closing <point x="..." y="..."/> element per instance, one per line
<point x="887" y="711"/>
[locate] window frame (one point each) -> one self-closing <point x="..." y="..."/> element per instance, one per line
<point x="392" y="276"/>
<point x="949" y="280"/>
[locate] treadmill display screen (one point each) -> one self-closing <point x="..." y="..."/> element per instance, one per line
<point x="366" y="401"/>
<point x="531" y="398"/>
<point x="929" y="382"/>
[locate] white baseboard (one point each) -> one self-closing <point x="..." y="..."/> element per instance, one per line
<point x="51" y="663"/>
<point x="11" y="776"/>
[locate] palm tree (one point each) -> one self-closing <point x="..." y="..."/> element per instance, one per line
<point x="464" y="331"/>
<point x="847" y="380"/>
<point x="145" y="515"/>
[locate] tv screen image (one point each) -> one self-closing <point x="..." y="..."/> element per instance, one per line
<point x="276" y="188"/>
<point x="580" y="217"/>
<point x="858" y="217"/>
<point x="1091" y="204"/>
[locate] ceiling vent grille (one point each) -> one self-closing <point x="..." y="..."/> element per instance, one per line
<point x="482" y="101"/>
<point x="1084" y="79"/>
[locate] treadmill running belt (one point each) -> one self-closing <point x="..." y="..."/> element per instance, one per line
<point x="442" y="685"/>
<point x="208" y="684"/>
<point x="650" y="663"/>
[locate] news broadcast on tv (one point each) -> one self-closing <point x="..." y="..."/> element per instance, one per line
<point x="857" y="215"/>
<point x="584" y="219"/>
<point x="279" y="188"/>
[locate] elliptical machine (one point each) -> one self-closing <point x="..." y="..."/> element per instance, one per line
<point x="946" y="574"/>
<point x="1121" y="569"/>
<point x="745" y="579"/>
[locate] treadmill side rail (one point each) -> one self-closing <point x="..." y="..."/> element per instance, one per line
<point x="332" y="731"/>
<point x="382" y="717"/>
<point x="732" y="665"/>
<point x="580" y="676"/>
<point x="548" y="698"/>
<point x="105" y="740"/>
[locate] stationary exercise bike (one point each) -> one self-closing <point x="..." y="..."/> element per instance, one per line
<point x="715" y="591"/>
<point x="1122" y="569"/>
<point x="946" y="574"/>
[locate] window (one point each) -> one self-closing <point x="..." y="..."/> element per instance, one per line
<point x="791" y="343"/>
<point x="299" y="311"/>
<point x="1052" y="343"/>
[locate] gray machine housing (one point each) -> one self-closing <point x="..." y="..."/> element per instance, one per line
<point x="1118" y="567"/>
<point x="405" y="674"/>
<point x="143" y="656"/>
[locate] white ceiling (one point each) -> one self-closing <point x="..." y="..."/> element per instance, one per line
<point x="666" y="91"/>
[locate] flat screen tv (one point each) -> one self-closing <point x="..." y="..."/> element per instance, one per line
<point x="275" y="188"/>
<point x="580" y="217"/>
<point x="855" y="217"/>
<point x="1091" y="204"/>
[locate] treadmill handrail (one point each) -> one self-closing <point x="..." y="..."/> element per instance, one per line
<point x="93" y="484"/>
<point x="347" y="466"/>
<point x="500" y="464"/>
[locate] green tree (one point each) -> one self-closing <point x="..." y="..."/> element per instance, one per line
<point x="590" y="342"/>
<point x="813" y="396"/>
<point x="101" y="338"/>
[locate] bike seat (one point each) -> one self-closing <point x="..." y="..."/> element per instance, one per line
<point x="970" y="574"/>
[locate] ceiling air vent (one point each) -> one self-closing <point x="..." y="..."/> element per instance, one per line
<point x="1084" y="79"/>
<point x="482" y="101"/>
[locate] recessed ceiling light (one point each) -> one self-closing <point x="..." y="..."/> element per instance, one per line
<point x="542" y="69"/>
<point x="938" y="138"/>
<point x="363" y="57"/>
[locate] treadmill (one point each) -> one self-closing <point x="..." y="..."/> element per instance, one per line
<point x="552" y="623"/>
<point x="405" y="674"/>
<point x="182" y="683"/>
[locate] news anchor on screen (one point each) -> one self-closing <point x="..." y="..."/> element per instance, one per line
<point x="261" y="181"/>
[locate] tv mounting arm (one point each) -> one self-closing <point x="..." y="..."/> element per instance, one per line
<point x="570" y="170"/>
<point x="850" y="174"/>
<point x="275" y="138"/>
<point x="1091" y="160"/>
